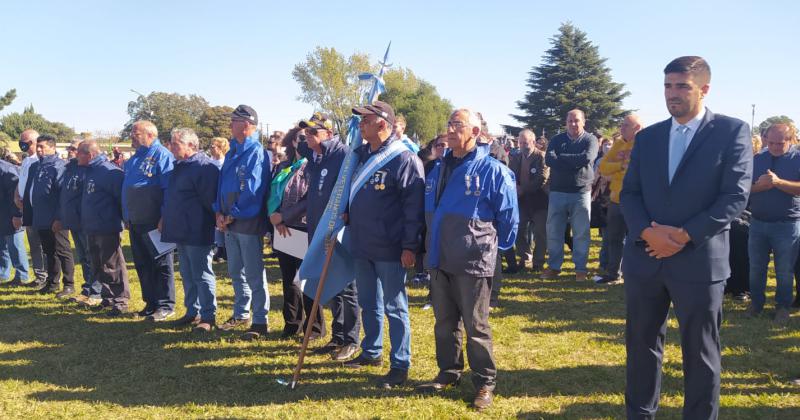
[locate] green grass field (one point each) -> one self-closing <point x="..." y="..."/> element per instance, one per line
<point x="559" y="347"/>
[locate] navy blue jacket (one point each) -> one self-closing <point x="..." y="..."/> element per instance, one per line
<point x="9" y="178"/>
<point x="46" y="176"/>
<point x="101" y="202"/>
<point x="322" y="177"/>
<point x="571" y="162"/>
<point x="71" y="191"/>
<point x="709" y="189"/>
<point x="146" y="178"/>
<point x="188" y="218"/>
<point x="243" y="186"/>
<point x="388" y="219"/>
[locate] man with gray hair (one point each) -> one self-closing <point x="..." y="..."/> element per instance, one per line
<point x="188" y="220"/>
<point x="570" y="156"/>
<point x="471" y="211"/>
<point x="146" y="178"/>
<point x="532" y="182"/>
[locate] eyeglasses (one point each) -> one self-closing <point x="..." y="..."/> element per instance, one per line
<point x="456" y="124"/>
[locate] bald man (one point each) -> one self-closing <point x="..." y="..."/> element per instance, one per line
<point x="532" y="180"/>
<point x="27" y="143"/>
<point x="614" y="165"/>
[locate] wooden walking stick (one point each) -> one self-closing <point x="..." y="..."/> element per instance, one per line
<point x="330" y="242"/>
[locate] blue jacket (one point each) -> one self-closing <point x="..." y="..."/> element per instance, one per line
<point x="9" y="178"/>
<point x="101" y="210"/>
<point x="387" y="215"/>
<point x="243" y="186"/>
<point x="146" y="178"/>
<point x="322" y="177"/>
<point x="71" y="191"/>
<point x="188" y="218"/>
<point x="45" y="177"/>
<point x="465" y="230"/>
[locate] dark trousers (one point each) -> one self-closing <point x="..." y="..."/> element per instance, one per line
<point x="615" y="238"/>
<point x="739" y="259"/>
<point x="155" y="275"/>
<point x="58" y="257"/>
<point x="37" y="255"/>
<point x="346" y="323"/>
<point x="108" y="266"/>
<point x="457" y="298"/>
<point x="536" y="220"/>
<point x="698" y="307"/>
<point x="295" y="302"/>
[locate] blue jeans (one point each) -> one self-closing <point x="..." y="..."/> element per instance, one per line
<point x="246" y="268"/>
<point x="381" y="289"/>
<point x="782" y="238"/>
<point x="573" y="208"/>
<point x="12" y="254"/>
<point x="91" y="286"/>
<point x="199" y="283"/>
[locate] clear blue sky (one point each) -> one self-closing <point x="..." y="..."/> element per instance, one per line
<point x="77" y="61"/>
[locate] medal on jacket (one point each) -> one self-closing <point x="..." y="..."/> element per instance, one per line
<point x="147" y="166"/>
<point x="468" y="183"/>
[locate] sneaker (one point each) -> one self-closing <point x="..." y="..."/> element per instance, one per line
<point x="81" y="298"/>
<point x="255" y="332"/>
<point x="550" y="274"/>
<point x="362" y="360"/>
<point x="65" y="293"/>
<point x="741" y="297"/>
<point x="234" y="323"/>
<point x="160" y="315"/>
<point x="47" y="289"/>
<point x="147" y="311"/>
<point x="427" y="306"/>
<point x="345" y="352"/>
<point x="37" y="284"/>
<point x="607" y="280"/>
<point x="781" y="315"/>
<point x="204" y="326"/>
<point x="91" y="302"/>
<point x="394" y="378"/>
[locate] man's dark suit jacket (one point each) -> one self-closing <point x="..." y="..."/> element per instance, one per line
<point x="709" y="189"/>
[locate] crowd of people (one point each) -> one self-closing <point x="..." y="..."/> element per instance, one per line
<point x="663" y="198"/>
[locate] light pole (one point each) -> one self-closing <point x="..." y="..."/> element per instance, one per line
<point x="753" y="117"/>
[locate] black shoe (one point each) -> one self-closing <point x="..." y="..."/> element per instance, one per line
<point x="147" y="311"/>
<point x="255" y="332"/>
<point x="344" y="352"/>
<point x="329" y="348"/>
<point x="36" y="284"/>
<point x="362" y="361"/>
<point x="116" y="312"/>
<point x="48" y="289"/>
<point x="439" y="383"/>
<point x="204" y="326"/>
<point x="394" y="378"/>
<point x="160" y="315"/>
<point x="65" y="293"/>
<point x="186" y="320"/>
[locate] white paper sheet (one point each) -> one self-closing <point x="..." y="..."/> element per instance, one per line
<point x="295" y="245"/>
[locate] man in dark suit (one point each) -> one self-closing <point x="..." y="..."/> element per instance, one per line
<point x="688" y="178"/>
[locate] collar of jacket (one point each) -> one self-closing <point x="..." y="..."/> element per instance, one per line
<point x="250" y="142"/>
<point x="480" y="151"/>
<point x="142" y="149"/>
<point x="98" y="160"/>
<point x="364" y="152"/>
<point x="49" y="159"/>
<point x="191" y="159"/>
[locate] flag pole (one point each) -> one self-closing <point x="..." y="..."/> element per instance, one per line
<point x="314" y="309"/>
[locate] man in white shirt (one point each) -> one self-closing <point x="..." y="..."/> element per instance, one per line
<point x="27" y="143"/>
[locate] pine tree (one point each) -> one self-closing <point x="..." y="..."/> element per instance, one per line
<point x="573" y="75"/>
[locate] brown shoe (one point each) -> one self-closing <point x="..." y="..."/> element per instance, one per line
<point x="204" y="326"/>
<point x="483" y="398"/>
<point x="255" y="332"/>
<point x="580" y="276"/>
<point x="550" y="274"/>
<point x="186" y="320"/>
<point x="233" y="323"/>
<point x="345" y="352"/>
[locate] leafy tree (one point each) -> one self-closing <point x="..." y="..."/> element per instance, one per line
<point x="426" y="112"/>
<point x="166" y="111"/>
<point x="762" y="128"/>
<point x="572" y="75"/>
<point x="6" y="99"/>
<point x="215" y="122"/>
<point x="15" y="123"/>
<point x="330" y="82"/>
